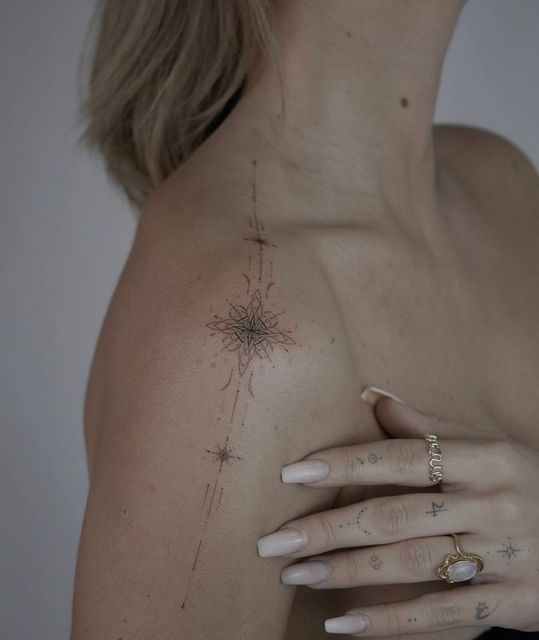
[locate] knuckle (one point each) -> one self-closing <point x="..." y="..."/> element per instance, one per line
<point x="350" y="562"/>
<point x="503" y="456"/>
<point x="350" y="466"/>
<point x="446" y="615"/>
<point x="415" y="557"/>
<point x="401" y="456"/>
<point x="529" y="597"/>
<point x="328" y="532"/>
<point x="393" y="622"/>
<point x="393" y="516"/>
<point x="509" y="507"/>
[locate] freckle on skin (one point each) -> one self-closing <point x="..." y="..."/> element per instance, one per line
<point x="348" y="34"/>
<point x="404" y="102"/>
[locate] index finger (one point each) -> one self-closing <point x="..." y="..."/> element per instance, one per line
<point x="394" y="461"/>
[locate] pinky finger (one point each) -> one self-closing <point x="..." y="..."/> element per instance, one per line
<point x="456" y="607"/>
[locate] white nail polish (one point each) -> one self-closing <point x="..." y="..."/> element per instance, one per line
<point x="372" y="395"/>
<point x="352" y="623"/>
<point x="281" y="543"/>
<point x="305" y="471"/>
<point x="310" y="572"/>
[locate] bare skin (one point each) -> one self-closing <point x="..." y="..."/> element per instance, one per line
<point x="393" y="254"/>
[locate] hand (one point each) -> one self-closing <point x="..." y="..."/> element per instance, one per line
<point x="488" y="496"/>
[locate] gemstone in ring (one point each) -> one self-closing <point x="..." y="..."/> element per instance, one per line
<point x="460" y="566"/>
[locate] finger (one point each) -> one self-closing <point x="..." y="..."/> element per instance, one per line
<point x="410" y="561"/>
<point x="401" y="462"/>
<point x="384" y="520"/>
<point x="472" y="606"/>
<point x="463" y="633"/>
<point x="403" y="420"/>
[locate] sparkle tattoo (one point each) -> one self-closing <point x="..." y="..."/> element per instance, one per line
<point x="509" y="550"/>
<point x="250" y="330"/>
<point x="223" y="454"/>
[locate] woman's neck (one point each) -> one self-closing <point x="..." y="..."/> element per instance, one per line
<point x="360" y="79"/>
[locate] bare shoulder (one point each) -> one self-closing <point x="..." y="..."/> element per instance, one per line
<point x="212" y="371"/>
<point x="214" y="297"/>
<point x="492" y="167"/>
<point x="500" y="186"/>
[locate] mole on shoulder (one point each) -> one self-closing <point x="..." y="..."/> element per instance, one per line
<point x="404" y="102"/>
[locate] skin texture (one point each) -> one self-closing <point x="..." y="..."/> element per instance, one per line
<point x="400" y="255"/>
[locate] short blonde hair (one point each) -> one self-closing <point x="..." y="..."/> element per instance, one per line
<point x="163" y="74"/>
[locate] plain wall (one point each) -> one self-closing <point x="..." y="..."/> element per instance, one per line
<point x="65" y="233"/>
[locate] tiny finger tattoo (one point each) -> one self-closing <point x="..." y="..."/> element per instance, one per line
<point x="483" y="610"/>
<point x="436" y="508"/>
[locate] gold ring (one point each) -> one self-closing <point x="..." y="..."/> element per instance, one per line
<point x="435" y="461"/>
<point x="460" y="566"/>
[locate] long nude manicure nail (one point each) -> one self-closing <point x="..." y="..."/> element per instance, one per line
<point x="310" y="572"/>
<point x="281" y="542"/>
<point x="305" y="471"/>
<point x="373" y="394"/>
<point x="353" y="623"/>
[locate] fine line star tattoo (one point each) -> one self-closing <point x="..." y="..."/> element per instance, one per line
<point x="258" y="239"/>
<point x="251" y="331"/>
<point x="436" y="508"/>
<point x="508" y="550"/>
<point x="223" y="454"/>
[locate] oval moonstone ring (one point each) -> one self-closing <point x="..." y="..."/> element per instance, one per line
<point x="460" y="566"/>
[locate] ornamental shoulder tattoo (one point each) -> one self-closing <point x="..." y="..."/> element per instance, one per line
<point x="250" y="326"/>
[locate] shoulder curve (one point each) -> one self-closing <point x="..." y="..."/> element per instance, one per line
<point x="482" y="147"/>
<point x="493" y="167"/>
<point x="201" y="276"/>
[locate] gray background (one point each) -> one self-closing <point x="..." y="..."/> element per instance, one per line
<point x="65" y="233"/>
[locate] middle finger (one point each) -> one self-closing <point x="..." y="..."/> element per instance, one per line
<point x="378" y="520"/>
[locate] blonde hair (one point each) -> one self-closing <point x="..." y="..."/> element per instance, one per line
<point x="163" y="75"/>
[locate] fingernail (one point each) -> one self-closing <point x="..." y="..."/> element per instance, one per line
<point x="373" y="394"/>
<point x="305" y="471"/>
<point x="281" y="542"/>
<point x="310" y="572"/>
<point x="352" y="623"/>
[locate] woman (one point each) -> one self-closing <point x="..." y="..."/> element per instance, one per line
<point x="305" y="232"/>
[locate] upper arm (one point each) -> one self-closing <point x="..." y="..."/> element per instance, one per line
<point x="210" y="383"/>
